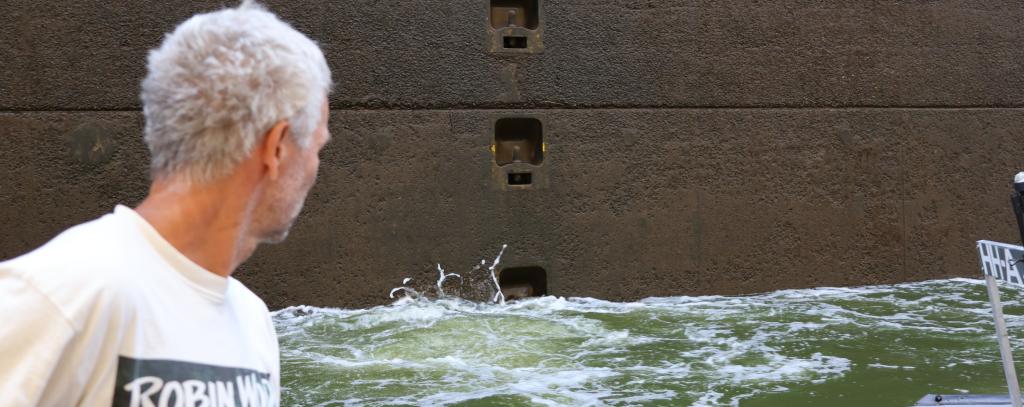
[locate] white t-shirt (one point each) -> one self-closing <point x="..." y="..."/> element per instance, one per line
<point x="109" y="313"/>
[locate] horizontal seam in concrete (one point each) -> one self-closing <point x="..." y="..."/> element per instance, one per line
<point x="695" y="107"/>
<point x="839" y="108"/>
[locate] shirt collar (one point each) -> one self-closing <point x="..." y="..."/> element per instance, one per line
<point x="206" y="281"/>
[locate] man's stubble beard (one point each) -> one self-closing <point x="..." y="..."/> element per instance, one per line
<point x="281" y="213"/>
<point x="288" y="216"/>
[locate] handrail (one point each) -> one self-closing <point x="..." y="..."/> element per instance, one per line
<point x="999" y="263"/>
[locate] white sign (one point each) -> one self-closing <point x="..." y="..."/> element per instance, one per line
<point x="1001" y="261"/>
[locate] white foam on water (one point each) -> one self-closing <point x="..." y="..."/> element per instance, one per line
<point x="781" y="368"/>
<point x="707" y="350"/>
<point x="638" y="399"/>
<point x="710" y="398"/>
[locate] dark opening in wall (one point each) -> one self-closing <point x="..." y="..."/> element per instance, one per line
<point x="514" y="42"/>
<point x="520" y="178"/>
<point x="522" y="282"/>
<point x="518" y="13"/>
<point x="518" y="140"/>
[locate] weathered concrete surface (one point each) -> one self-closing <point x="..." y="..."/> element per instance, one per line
<point x="87" y="55"/>
<point x="643" y="192"/>
<point x="640" y="202"/>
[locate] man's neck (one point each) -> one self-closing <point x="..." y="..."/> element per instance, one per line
<point x="207" y="223"/>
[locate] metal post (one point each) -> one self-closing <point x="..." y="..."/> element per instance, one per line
<point x="1004" y="341"/>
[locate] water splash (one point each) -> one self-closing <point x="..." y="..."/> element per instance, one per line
<point x="408" y="291"/>
<point x="497" y="287"/>
<point x="440" y="280"/>
<point x="476" y="285"/>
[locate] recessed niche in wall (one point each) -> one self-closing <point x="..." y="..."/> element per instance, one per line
<point x="515" y="27"/>
<point x="514" y="13"/>
<point x="522" y="282"/>
<point x="518" y="140"/>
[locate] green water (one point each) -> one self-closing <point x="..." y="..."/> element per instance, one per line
<point x="867" y="346"/>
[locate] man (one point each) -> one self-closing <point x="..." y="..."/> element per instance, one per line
<point x="138" y="307"/>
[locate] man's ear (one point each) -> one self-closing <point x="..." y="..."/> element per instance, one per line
<point x="270" y="150"/>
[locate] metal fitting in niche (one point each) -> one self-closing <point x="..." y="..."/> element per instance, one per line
<point x="515" y="26"/>
<point x="519" y="153"/>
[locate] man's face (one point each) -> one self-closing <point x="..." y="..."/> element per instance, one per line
<point x="282" y="201"/>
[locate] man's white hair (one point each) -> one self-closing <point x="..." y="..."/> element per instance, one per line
<point x="220" y="81"/>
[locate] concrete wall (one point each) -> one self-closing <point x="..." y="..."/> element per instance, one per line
<point x="692" y="147"/>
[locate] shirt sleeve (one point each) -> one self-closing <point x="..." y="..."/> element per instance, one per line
<point x="34" y="335"/>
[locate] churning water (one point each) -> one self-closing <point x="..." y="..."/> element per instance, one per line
<point x="867" y="346"/>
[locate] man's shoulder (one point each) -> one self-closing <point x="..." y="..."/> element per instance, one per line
<point x="251" y="307"/>
<point x="246" y="298"/>
<point x="83" y="246"/>
<point x="85" y="265"/>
